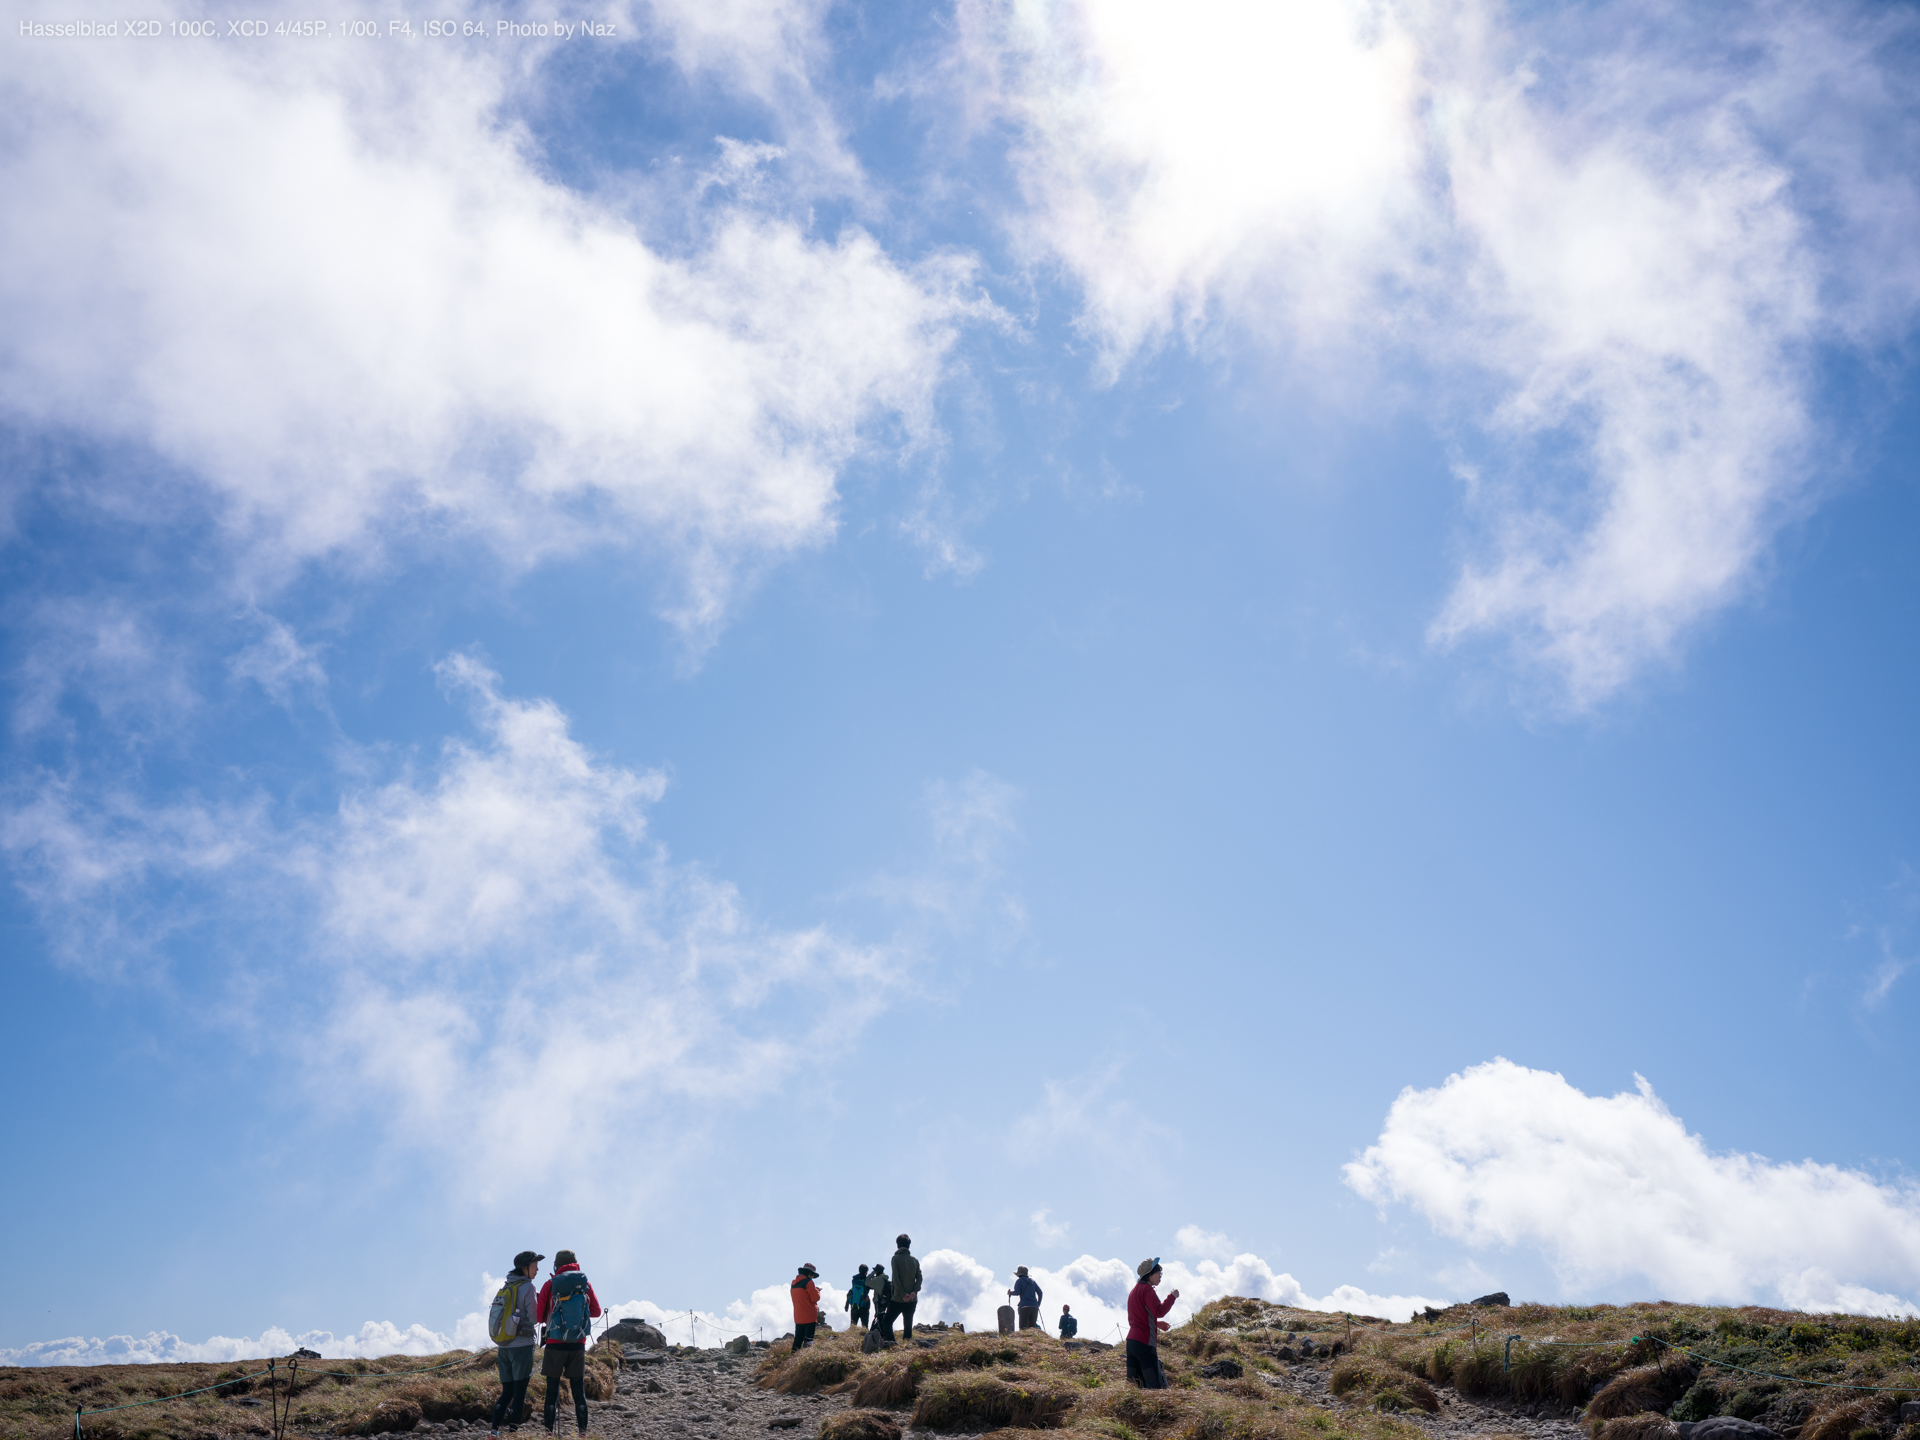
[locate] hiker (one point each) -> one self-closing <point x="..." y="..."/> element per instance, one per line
<point x="567" y="1308"/>
<point x="1069" y="1327"/>
<point x="511" y="1323"/>
<point x="806" y="1305"/>
<point x="882" y="1291"/>
<point x="856" y="1303"/>
<point x="1028" y="1292"/>
<point x="906" y="1286"/>
<point x="1144" y="1309"/>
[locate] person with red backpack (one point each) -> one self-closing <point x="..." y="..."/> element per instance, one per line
<point x="510" y="1325"/>
<point x="567" y="1308"/>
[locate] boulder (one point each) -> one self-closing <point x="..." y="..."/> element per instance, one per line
<point x="1222" y="1370"/>
<point x="635" y="1331"/>
<point x="739" y="1345"/>
<point x="1498" y="1297"/>
<point x="1910" y="1412"/>
<point x="305" y="1354"/>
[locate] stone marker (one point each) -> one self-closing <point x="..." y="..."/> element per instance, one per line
<point x="1006" y="1319"/>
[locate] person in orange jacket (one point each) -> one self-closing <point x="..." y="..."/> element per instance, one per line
<point x="806" y="1305"/>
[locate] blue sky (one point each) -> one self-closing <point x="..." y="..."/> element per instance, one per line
<point x="1278" y="636"/>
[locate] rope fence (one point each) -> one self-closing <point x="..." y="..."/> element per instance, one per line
<point x="282" y="1409"/>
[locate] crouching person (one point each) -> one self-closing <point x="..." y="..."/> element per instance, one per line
<point x="567" y="1308"/>
<point x="511" y="1323"/>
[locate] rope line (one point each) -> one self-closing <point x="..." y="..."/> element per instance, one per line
<point x="255" y="1374"/>
<point x="1790" y="1379"/>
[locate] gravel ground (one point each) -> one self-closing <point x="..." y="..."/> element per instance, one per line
<point x="710" y="1395"/>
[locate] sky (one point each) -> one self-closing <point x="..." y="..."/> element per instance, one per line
<point x="1281" y="636"/>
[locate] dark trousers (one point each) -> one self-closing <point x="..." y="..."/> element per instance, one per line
<point x="1143" y="1366"/>
<point x="859" y="1313"/>
<point x="803" y="1334"/>
<point x="883" y="1319"/>
<point x="569" y="1361"/>
<point x="516" y="1373"/>
<point x="904" y="1312"/>
<point x="1029" y="1316"/>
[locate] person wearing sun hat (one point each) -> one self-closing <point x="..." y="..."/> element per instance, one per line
<point x="806" y="1305"/>
<point x="1144" y="1309"/>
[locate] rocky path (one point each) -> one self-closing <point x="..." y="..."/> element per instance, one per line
<point x="704" y="1395"/>
<point x="710" y="1395"/>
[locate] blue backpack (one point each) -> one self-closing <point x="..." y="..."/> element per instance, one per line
<point x="568" y="1322"/>
<point x="857" y="1294"/>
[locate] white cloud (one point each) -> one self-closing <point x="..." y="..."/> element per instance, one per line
<point x="1617" y="267"/>
<point x="1047" y="1230"/>
<point x="1207" y="1244"/>
<point x="440" y="912"/>
<point x="160" y="1347"/>
<point x="1609" y="1188"/>
<point x="335" y="287"/>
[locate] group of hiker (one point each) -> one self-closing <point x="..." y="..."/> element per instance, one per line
<point x="559" y="1316"/>
<point x="877" y="1297"/>
<point x="564" y="1309"/>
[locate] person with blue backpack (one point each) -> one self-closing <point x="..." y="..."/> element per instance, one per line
<point x="567" y="1308"/>
<point x="857" y="1299"/>
<point x="510" y="1326"/>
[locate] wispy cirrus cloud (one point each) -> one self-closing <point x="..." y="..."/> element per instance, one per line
<point x="440" y="908"/>
<point x="1618" y="256"/>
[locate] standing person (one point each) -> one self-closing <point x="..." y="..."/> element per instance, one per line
<point x="856" y="1305"/>
<point x="511" y="1323"/>
<point x="1028" y="1294"/>
<point x="1069" y="1327"/>
<point x="1144" y="1309"/>
<point x="906" y="1284"/>
<point x="882" y="1290"/>
<point x="567" y="1308"/>
<point x="806" y="1306"/>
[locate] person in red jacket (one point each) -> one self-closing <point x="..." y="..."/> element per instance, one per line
<point x="806" y="1305"/>
<point x="567" y="1307"/>
<point x="1144" y="1309"/>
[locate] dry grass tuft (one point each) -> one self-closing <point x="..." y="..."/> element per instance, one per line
<point x="860" y="1425"/>
<point x="1384" y="1386"/>
<point x="830" y="1361"/>
<point x="1644" y="1388"/>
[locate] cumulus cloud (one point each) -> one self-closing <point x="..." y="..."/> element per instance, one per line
<point x="1622" y="265"/>
<point x="161" y="1347"/>
<point x="1612" y="1188"/>
<point x="335" y="287"/>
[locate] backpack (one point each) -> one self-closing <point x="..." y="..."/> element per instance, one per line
<point x="567" y="1320"/>
<point x="502" y="1318"/>
<point x="857" y="1296"/>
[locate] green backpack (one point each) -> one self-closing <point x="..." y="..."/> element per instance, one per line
<point x="502" y="1324"/>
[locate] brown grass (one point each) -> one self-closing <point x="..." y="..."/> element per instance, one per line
<point x="356" y="1398"/>
<point x="860" y="1425"/>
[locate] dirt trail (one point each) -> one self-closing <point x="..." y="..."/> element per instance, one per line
<point x="711" y="1395"/>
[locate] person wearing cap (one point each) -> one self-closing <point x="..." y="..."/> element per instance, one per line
<point x="1144" y="1309"/>
<point x="906" y="1286"/>
<point x="806" y="1305"/>
<point x="564" y="1353"/>
<point x="1069" y="1327"/>
<point x="1028" y="1298"/>
<point x="515" y="1357"/>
